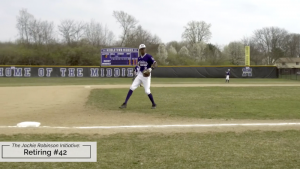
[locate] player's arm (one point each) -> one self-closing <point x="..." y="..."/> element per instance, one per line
<point x="154" y="65"/>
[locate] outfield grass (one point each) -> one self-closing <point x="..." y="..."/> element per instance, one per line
<point x="250" y="149"/>
<point x="290" y="77"/>
<point x="206" y="102"/>
<point x="115" y="81"/>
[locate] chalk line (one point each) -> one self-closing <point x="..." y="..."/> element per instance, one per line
<point x="162" y="126"/>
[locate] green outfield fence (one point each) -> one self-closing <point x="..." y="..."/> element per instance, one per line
<point x="291" y="73"/>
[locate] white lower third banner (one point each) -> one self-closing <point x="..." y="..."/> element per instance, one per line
<point x="48" y="151"/>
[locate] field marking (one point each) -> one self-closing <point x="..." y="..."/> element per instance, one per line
<point x="163" y="126"/>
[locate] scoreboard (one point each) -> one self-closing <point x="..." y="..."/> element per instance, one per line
<point x="119" y="56"/>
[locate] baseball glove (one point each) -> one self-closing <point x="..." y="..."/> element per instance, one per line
<point x="146" y="73"/>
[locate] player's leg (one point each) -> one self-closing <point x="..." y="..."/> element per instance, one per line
<point x="141" y="85"/>
<point x="227" y="78"/>
<point x="147" y="82"/>
<point x="137" y="81"/>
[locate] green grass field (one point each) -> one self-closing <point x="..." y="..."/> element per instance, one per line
<point x="177" y="151"/>
<point x="206" y="102"/>
<point x="115" y="81"/>
<point x="250" y="149"/>
<point x="290" y="77"/>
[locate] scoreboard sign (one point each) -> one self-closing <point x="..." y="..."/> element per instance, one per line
<point x="119" y="56"/>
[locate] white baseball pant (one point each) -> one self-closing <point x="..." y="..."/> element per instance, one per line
<point x="146" y="81"/>
<point x="227" y="77"/>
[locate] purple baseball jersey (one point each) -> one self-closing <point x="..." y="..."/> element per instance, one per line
<point x="228" y="73"/>
<point x="145" y="62"/>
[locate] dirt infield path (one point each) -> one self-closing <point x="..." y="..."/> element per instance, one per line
<point x="64" y="106"/>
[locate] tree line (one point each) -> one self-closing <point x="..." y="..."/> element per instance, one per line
<point x="74" y="43"/>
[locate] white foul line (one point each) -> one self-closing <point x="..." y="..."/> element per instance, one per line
<point x="164" y="126"/>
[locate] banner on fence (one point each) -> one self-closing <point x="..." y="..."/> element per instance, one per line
<point x="65" y="72"/>
<point x="120" y="72"/>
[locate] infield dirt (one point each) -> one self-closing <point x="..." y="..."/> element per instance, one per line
<point x="65" y="106"/>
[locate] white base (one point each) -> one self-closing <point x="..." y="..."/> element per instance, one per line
<point x="28" y="124"/>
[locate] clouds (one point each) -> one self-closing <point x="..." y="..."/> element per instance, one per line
<point x="230" y="19"/>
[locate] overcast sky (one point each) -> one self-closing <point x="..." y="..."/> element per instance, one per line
<point x="231" y="20"/>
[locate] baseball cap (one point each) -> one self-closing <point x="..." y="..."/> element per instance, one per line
<point x="142" y="46"/>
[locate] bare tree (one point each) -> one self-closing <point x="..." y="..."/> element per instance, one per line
<point x="108" y="36"/>
<point x="41" y="32"/>
<point x="292" y="46"/>
<point x="196" y="31"/>
<point x="155" y="39"/>
<point x="97" y="35"/>
<point x="270" y="41"/>
<point x="94" y="33"/>
<point x="34" y="31"/>
<point x="79" y="31"/>
<point x="137" y="36"/>
<point x="71" y="31"/>
<point x="140" y="35"/>
<point x="23" y="21"/>
<point x="235" y="52"/>
<point x="47" y="32"/>
<point x="256" y="56"/>
<point x="127" y="23"/>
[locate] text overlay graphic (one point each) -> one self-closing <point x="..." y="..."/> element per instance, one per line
<point x="48" y="151"/>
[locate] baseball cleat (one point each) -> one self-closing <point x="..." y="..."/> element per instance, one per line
<point x="123" y="106"/>
<point x="153" y="106"/>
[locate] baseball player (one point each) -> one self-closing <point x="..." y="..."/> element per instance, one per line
<point x="135" y="73"/>
<point x="146" y="64"/>
<point x="227" y="76"/>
